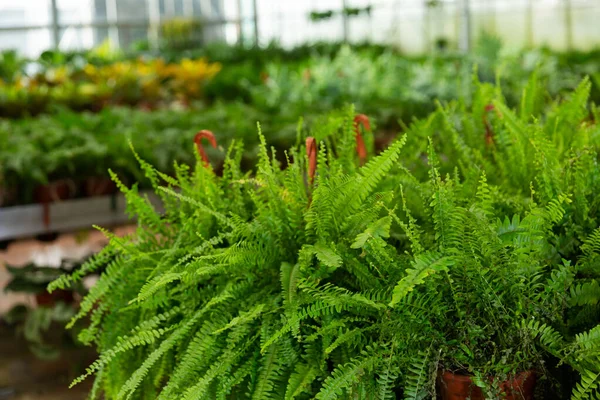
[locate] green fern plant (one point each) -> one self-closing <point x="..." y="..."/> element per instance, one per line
<point x="477" y="253"/>
<point x="207" y="299"/>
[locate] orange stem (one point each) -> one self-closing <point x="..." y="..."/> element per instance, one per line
<point x="489" y="133"/>
<point x="311" y="153"/>
<point x="361" y="149"/>
<point x="198" y="140"/>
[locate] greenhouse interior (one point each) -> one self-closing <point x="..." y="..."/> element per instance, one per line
<point x="310" y="199"/>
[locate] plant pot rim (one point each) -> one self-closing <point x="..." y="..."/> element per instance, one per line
<point x="467" y="378"/>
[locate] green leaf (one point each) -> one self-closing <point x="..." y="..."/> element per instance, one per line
<point x="424" y="265"/>
<point x="379" y="228"/>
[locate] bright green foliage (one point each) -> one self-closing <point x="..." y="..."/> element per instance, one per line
<point x="474" y="251"/>
<point x="212" y="297"/>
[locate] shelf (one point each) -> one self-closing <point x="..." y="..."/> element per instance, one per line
<point x="25" y="221"/>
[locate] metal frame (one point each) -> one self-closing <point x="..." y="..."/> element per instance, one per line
<point x="568" y="25"/>
<point x="466" y="16"/>
<point x="255" y="19"/>
<point x="55" y="27"/>
<point x="120" y="24"/>
<point x="465" y="33"/>
<point x="114" y="24"/>
<point x="112" y="17"/>
<point x="463" y="16"/>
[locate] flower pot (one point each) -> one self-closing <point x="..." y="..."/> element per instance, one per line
<point x="54" y="191"/>
<point x="50" y="299"/>
<point x="460" y="387"/>
<point x="99" y="186"/>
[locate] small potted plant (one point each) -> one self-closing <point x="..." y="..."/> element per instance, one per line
<point x="317" y="16"/>
<point x="52" y="310"/>
<point x="494" y="294"/>
<point x="33" y="279"/>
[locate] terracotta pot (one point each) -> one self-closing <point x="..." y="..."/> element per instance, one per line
<point x="461" y="387"/>
<point x="49" y="299"/>
<point x="54" y="191"/>
<point x="99" y="186"/>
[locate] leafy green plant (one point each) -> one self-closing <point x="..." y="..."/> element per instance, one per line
<point x="228" y="334"/>
<point x="356" y="11"/>
<point x="75" y="146"/>
<point x="42" y="325"/>
<point x="181" y="33"/>
<point x="11" y="65"/>
<point x="316" y="16"/>
<point x="340" y="281"/>
<point x="275" y="86"/>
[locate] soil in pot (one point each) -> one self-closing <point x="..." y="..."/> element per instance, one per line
<point x="461" y="387"/>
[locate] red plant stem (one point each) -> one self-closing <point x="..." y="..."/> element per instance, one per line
<point x="489" y="133"/>
<point x="361" y="149"/>
<point x="311" y="153"/>
<point x="198" y="140"/>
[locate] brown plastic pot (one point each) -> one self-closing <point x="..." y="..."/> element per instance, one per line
<point x="461" y="387"/>
<point x="46" y="299"/>
<point x="99" y="186"/>
<point x="54" y="191"/>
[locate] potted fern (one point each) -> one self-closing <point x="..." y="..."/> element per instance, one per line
<point x="537" y="162"/>
<point x="310" y="282"/>
<point x="487" y="277"/>
<point x="216" y="305"/>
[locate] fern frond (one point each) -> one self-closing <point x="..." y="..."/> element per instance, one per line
<point x="424" y="265"/>
<point x="300" y="380"/>
<point x="588" y="387"/>
<point x="344" y="377"/>
<point x="418" y="376"/>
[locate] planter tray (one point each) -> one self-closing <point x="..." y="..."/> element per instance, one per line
<point x="23" y="221"/>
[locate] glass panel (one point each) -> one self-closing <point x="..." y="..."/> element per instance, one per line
<point x="132" y="10"/>
<point x="75" y="11"/>
<point x="586" y="28"/>
<point x="384" y="18"/>
<point x="129" y="35"/>
<point x="197" y="7"/>
<point x="100" y="10"/>
<point x="511" y="24"/>
<point x="101" y="35"/>
<point x="217" y="10"/>
<point x="205" y="8"/>
<point x="28" y="43"/>
<point x="549" y="24"/>
<point x="76" y="38"/>
<point x="25" y="13"/>
<point x="412" y="28"/>
<point x="411" y="24"/>
<point x="232" y="33"/>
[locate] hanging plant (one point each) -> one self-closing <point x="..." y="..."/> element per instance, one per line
<point x="356" y="11"/>
<point x="316" y="16"/>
